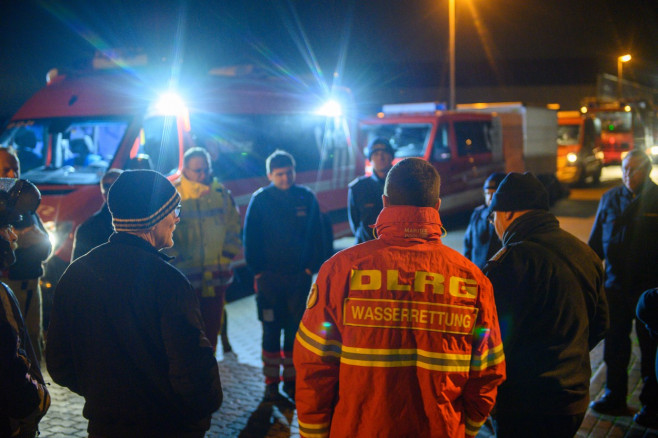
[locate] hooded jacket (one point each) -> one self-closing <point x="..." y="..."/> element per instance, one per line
<point x="400" y="338"/>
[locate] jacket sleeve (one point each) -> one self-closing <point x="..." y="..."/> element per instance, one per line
<point x="599" y="314"/>
<point x="233" y="240"/>
<point x="353" y="211"/>
<point x="20" y="392"/>
<point x="647" y="311"/>
<point x="487" y="362"/>
<point x="58" y="344"/>
<point x="595" y="240"/>
<point x="316" y="357"/>
<point x="253" y="237"/>
<point x="193" y="371"/>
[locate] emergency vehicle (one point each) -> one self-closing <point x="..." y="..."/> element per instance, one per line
<point x="625" y="125"/>
<point x="465" y="147"/>
<point x="579" y="155"/>
<point x="82" y="123"/>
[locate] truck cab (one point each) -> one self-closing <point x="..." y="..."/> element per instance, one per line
<point x="579" y="155"/>
<point x="465" y="147"/>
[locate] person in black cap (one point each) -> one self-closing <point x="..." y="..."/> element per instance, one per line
<point x="24" y="398"/>
<point x="548" y="287"/>
<point x="126" y="331"/>
<point x="480" y="239"/>
<point x="364" y="196"/>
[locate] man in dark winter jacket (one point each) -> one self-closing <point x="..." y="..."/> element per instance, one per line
<point x="24" y="398"/>
<point x="625" y="235"/>
<point x="480" y="239"/>
<point x="364" y="196"/>
<point x="126" y="331"/>
<point x="98" y="228"/>
<point x="283" y="247"/>
<point x="548" y="287"/>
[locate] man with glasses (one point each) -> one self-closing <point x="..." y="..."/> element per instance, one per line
<point x="548" y="287"/>
<point x="126" y="332"/>
<point x="98" y="228"/>
<point x="625" y="235"/>
<point x="207" y="239"/>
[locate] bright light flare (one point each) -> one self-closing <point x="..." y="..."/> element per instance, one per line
<point x="572" y="158"/>
<point x="625" y="58"/>
<point x="170" y="104"/>
<point x="330" y="109"/>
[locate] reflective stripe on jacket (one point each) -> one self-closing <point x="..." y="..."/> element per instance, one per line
<point x="400" y="338"/>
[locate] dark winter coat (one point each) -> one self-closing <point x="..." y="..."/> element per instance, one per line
<point x="625" y="234"/>
<point x="126" y="334"/>
<point x="552" y="309"/>
<point x="93" y="232"/>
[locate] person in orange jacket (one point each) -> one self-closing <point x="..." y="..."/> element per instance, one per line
<point x="400" y="336"/>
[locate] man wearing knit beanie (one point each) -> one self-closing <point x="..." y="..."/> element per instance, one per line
<point x="548" y="287"/>
<point x="126" y="331"/>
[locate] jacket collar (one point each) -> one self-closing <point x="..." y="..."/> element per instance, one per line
<point x="536" y="221"/>
<point x="131" y="239"/>
<point x="423" y="223"/>
<point x="191" y="189"/>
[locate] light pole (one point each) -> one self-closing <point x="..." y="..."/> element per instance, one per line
<point x="451" y="52"/>
<point x="620" y="62"/>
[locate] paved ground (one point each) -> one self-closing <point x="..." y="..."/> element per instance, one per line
<point x="243" y="415"/>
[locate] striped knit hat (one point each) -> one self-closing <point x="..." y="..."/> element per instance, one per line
<point x="139" y="199"/>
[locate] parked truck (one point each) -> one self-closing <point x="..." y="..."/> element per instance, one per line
<point x="579" y="155"/>
<point x="465" y="147"/>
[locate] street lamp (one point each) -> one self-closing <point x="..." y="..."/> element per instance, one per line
<point x="620" y="61"/>
<point x="451" y="52"/>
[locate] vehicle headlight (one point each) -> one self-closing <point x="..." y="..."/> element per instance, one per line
<point x="330" y="109"/>
<point x="654" y="150"/>
<point x="572" y="158"/>
<point x="599" y="155"/>
<point x="58" y="232"/>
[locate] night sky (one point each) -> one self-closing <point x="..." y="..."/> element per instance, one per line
<point x="370" y="43"/>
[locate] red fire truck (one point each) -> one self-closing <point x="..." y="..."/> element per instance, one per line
<point x="82" y="123"/>
<point x="625" y="125"/>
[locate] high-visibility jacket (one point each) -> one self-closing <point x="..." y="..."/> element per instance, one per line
<point x="207" y="236"/>
<point x="400" y="338"/>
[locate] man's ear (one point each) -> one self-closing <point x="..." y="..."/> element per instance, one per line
<point x="385" y="201"/>
<point x="438" y="204"/>
<point x="269" y="176"/>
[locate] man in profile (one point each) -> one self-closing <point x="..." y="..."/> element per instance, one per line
<point x="549" y="294"/>
<point x="400" y="336"/>
<point x="364" y="196"/>
<point x="625" y="235"/>
<point x="126" y="332"/>
<point x="283" y="247"/>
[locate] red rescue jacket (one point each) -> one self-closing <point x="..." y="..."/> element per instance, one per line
<point x="400" y="338"/>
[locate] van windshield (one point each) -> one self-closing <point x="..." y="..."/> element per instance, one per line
<point x="239" y="144"/>
<point x="615" y="121"/>
<point x="407" y="139"/>
<point x="80" y="146"/>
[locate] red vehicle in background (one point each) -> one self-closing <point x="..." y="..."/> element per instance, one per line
<point x="465" y="147"/>
<point x="625" y="125"/>
<point x="70" y="132"/>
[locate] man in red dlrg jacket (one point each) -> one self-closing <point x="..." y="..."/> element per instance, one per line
<point x="400" y="336"/>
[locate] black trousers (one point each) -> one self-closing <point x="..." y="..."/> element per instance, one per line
<point x="617" y="351"/>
